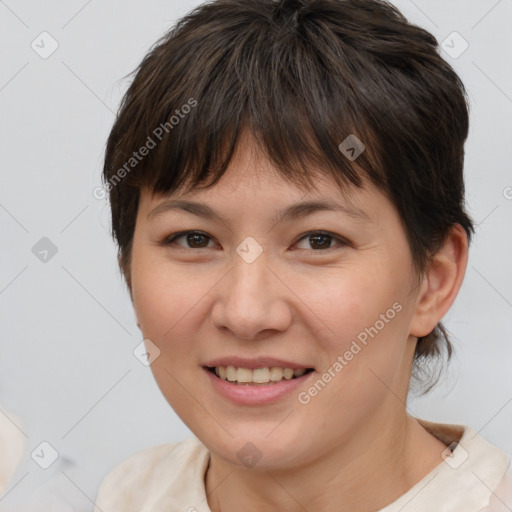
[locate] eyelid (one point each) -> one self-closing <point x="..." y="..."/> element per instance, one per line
<point x="169" y="240"/>
<point x="341" y="241"/>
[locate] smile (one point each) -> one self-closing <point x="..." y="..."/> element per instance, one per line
<point x="257" y="376"/>
<point x="240" y="385"/>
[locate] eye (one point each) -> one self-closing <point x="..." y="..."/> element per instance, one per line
<point x="196" y="239"/>
<point x="321" y="240"/>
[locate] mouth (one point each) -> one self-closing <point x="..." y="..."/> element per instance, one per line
<point x="265" y="376"/>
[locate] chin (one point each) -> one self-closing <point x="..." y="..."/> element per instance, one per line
<point x="256" y="447"/>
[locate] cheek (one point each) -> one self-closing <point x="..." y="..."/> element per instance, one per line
<point x="167" y="301"/>
<point x="172" y="304"/>
<point x="163" y="294"/>
<point x="348" y="301"/>
<point x="362" y="316"/>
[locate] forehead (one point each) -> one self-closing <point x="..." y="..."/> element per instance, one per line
<point x="283" y="203"/>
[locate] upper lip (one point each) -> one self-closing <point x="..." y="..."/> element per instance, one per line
<point x="258" y="362"/>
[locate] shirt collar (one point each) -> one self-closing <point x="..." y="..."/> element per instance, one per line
<point x="471" y="470"/>
<point x="465" y="480"/>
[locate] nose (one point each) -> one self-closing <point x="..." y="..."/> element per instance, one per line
<point x="252" y="302"/>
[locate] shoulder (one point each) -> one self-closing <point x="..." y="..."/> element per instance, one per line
<point x="148" y="473"/>
<point x="12" y="446"/>
<point x="501" y="498"/>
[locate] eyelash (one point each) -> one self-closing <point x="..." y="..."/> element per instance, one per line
<point x="170" y="240"/>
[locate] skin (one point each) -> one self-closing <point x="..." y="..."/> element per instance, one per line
<point x="354" y="443"/>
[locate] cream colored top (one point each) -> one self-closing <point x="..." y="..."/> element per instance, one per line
<point x="12" y="446"/>
<point x="475" y="476"/>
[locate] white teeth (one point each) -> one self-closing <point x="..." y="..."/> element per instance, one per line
<point x="231" y="373"/>
<point x="276" y="374"/>
<point x="243" y="375"/>
<point x="258" y="375"/>
<point x="261" y="375"/>
<point x="288" y="373"/>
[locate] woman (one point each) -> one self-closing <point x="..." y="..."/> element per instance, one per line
<point x="286" y="184"/>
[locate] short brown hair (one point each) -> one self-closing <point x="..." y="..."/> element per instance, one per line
<point x="301" y="75"/>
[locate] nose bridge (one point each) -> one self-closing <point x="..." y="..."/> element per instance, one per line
<point x="250" y="271"/>
<point x="249" y="302"/>
<point x="249" y="290"/>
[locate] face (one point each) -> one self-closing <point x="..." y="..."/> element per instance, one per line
<point x="326" y="292"/>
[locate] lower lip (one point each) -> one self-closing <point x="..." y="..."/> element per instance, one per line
<point x="244" y="394"/>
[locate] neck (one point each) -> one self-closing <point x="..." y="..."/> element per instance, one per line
<point x="362" y="475"/>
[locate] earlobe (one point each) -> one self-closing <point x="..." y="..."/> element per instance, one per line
<point x="441" y="283"/>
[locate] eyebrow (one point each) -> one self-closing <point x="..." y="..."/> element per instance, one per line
<point x="293" y="211"/>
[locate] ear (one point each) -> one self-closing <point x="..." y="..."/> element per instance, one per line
<point x="441" y="282"/>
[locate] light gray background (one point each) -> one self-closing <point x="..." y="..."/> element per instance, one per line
<point x="68" y="329"/>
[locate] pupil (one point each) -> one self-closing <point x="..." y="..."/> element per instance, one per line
<point x="316" y="237"/>
<point x="193" y="237"/>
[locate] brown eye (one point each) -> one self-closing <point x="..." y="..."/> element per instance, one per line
<point x="319" y="240"/>
<point x="193" y="239"/>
